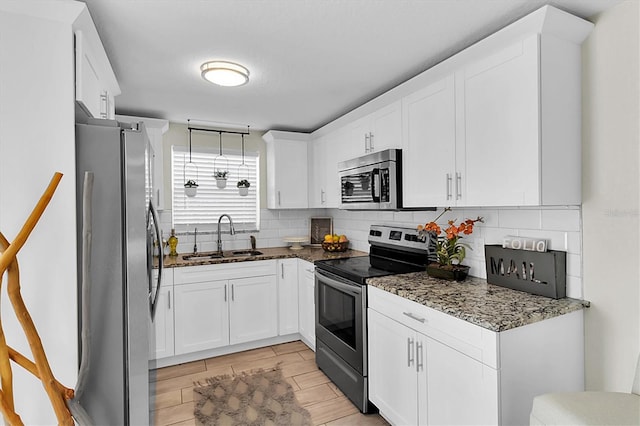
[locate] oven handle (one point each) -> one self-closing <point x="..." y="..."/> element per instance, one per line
<point x="332" y="282"/>
<point x="374" y="172"/>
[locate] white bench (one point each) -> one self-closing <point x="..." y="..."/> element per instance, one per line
<point x="588" y="408"/>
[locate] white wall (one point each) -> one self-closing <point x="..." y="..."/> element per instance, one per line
<point x="36" y="140"/>
<point x="610" y="192"/>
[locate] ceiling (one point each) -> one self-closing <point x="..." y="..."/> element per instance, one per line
<point x="310" y="61"/>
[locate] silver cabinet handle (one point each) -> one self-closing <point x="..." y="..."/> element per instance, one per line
<point x="371" y="149"/>
<point x="410" y="358"/>
<point x="322" y="197"/>
<point x="279" y="199"/>
<point x="458" y="185"/>
<point x="448" y="186"/>
<point x="282" y="270"/>
<point x="419" y="357"/>
<point x="414" y="317"/>
<point x="233" y="298"/>
<point x="366" y="142"/>
<point x="169" y="299"/>
<point x="225" y="292"/>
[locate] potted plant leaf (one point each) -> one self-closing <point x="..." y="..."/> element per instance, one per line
<point x="243" y="187"/>
<point x="221" y="178"/>
<point x="190" y="188"/>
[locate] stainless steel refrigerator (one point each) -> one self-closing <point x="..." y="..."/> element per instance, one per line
<point x="121" y="294"/>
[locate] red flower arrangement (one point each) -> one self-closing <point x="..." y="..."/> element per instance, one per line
<point x="449" y="248"/>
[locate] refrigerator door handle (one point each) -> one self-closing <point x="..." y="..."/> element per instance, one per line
<point x="153" y="298"/>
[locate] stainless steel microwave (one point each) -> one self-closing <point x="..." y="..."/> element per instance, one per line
<point x="372" y="182"/>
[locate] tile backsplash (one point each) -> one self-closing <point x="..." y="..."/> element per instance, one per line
<point x="560" y="226"/>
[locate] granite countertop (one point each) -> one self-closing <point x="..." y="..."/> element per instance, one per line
<point x="474" y="300"/>
<point x="310" y="254"/>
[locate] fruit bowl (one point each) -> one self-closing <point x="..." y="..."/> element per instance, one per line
<point x="335" y="247"/>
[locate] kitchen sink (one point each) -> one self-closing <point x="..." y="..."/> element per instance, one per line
<point x="202" y="256"/>
<point x="246" y="253"/>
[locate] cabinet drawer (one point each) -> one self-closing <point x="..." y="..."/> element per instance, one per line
<point x="470" y="339"/>
<point x="224" y="271"/>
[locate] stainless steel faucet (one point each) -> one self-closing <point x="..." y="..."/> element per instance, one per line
<point x="195" y="241"/>
<point x="232" y="230"/>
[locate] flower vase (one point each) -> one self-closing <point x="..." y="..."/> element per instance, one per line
<point x="243" y="191"/>
<point x="191" y="191"/>
<point x="448" y="272"/>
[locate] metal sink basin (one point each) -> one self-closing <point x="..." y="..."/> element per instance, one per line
<point x="246" y="253"/>
<point x="202" y="256"/>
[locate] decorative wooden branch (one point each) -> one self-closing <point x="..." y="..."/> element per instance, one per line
<point x="40" y="368"/>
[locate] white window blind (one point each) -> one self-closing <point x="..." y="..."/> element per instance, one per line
<point x="210" y="201"/>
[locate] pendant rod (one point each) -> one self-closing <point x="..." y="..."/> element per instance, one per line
<point x="243" y="149"/>
<point x="232" y="132"/>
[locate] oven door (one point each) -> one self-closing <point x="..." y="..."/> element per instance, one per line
<point x="340" y="318"/>
<point x="369" y="187"/>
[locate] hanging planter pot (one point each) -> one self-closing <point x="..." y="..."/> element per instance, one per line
<point x="243" y="187"/>
<point x="221" y="178"/>
<point x="190" y="188"/>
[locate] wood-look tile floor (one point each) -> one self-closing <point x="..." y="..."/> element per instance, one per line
<point x="326" y="404"/>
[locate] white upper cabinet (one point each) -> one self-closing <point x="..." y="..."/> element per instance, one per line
<point x="428" y="162"/>
<point x="324" y="184"/>
<point x="499" y="137"/>
<point x="287" y="181"/>
<point x="499" y="123"/>
<point x="379" y="130"/>
<point x="96" y="84"/>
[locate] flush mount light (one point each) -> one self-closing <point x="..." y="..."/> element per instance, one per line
<point x="224" y="73"/>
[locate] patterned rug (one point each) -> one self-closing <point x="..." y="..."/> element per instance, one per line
<point x="256" y="398"/>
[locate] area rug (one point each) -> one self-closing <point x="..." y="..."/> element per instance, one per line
<point x="256" y="398"/>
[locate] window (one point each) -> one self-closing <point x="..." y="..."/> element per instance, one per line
<point x="210" y="201"/>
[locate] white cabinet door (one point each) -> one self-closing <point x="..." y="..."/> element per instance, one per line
<point x="96" y="85"/>
<point x="500" y="125"/>
<point x="386" y="128"/>
<point x="317" y="172"/>
<point x="161" y="341"/>
<point x="253" y="308"/>
<point x="201" y="316"/>
<point x="306" y="303"/>
<point x="392" y="369"/>
<point x="287" y="185"/>
<point x="162" y="325"/>
<point x="459" y="390"/>
<point x="429" y="145"/>
<point x="379" y="130"/>
<point x="287" y="296"/>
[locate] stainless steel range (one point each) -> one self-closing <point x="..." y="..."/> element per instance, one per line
<point x="341" y="304"/>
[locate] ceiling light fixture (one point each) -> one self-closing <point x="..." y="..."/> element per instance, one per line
<point x="224" y="73"/>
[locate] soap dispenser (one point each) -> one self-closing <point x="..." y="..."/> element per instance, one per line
<point x="173" y="243"/>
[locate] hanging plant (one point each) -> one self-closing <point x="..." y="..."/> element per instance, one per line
<point x="243" y="187"/>
<point x="190" y="188"/>
<point x="221" y="178"/>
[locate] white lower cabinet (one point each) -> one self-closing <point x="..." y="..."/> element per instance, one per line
<point x="306" y="303"/>
<point x="252" y="309"/>
<point x="161" y="341"/>
<point x="393" y="379"/>
<point x="459" y="390"/>
<point x="415" y="379"/>
<point x="218" y="305"/>
<point x="287" y="296"/>
<point x="201" y="316"/>
<point x="430" y="368"/>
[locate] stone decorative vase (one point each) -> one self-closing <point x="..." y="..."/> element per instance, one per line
<point x="448" y="272"/>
